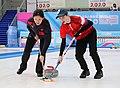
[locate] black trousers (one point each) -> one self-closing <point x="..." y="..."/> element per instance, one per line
<point x="81" y="46"/>
<point x="26" y="54"/>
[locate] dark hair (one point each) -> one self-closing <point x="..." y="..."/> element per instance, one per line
<point x="38" y="12"/>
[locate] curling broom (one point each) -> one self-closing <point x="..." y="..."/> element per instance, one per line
<point x="49" y="78"/>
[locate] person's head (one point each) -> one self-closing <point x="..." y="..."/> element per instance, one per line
<point x="62" y="14"/>
<point x="38" y="16"/>
<point x="114" y="5"/>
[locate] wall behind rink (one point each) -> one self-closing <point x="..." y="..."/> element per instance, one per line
<point x="55" y="4"/>
<point x="107" y="24"/>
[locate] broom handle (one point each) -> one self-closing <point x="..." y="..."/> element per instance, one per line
<point x="50" y="76"/>
<point x="69" y="46"/>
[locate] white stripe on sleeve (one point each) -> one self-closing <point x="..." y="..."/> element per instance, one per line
<point x="82" y="20"/>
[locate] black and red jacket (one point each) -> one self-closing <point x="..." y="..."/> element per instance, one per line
<point x="42" y="30"/>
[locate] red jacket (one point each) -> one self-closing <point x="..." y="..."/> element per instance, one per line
<point x="76" y="23"/>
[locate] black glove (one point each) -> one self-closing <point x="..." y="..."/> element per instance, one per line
<point x="76" y="34"/>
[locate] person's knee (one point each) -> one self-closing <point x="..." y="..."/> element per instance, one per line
<point x="26" y="53"/>
<point x="92" y="53"/>
<point x="78" y="57"/>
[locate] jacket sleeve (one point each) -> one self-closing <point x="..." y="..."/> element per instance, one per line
<point x="47" y="38"/>
<point x="84" y="27"/>
<point x="30" y="28"/>
<point x="62" y="47"/>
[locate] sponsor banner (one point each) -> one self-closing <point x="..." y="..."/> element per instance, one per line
<point x="48" y="4"/>
<point x="108" y="39"/>
<point x="103" y="20"/>
<point x="102" y="3"/>
<point x="55" y="40"/>
<point x="44" y="4"/>
<point x="107" y="24"/>
<point x="31" y="5"/>
<point x="111" y="2"/>
<point x="23" y="38"/>
<point x="22" y="18"/>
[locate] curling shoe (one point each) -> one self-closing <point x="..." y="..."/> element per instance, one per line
<point x="84" y="74"/>
<point x="98" y="75"/>
<point x="39" y="75"/>
<point x="22" y="68"/>
<point x="20" y="71"/>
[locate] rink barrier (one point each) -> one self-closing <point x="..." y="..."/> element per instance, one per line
<point x="9" y="55"/>
<point x="12" y="37"/>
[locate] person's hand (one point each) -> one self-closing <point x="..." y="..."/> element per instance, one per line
<point x="77" y="34"/>
<point x="60" y="59"/>
<point x="36" y="37"/>
<point x="42" y="59"/>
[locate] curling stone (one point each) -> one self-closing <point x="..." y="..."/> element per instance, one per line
<point x="48" y="71"/>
